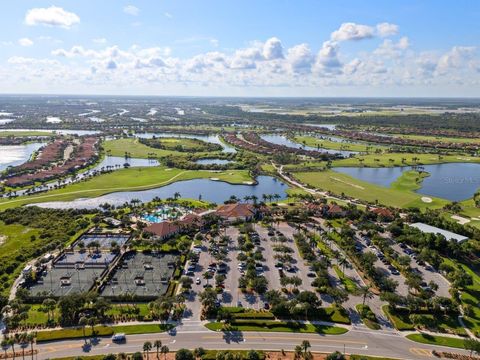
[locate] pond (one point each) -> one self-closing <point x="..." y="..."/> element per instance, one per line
<point x="14" y="155"/>
<point x="213" y="162"/>
<point x="208" y="138"/>
<point x="213" y="191"/>
<point x="326" y="126"/>
<point x="283" y="140"/>
<point x="452" y="181"/>
<point x="117" y="162"/>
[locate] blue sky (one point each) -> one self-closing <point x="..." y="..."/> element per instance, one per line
<point x="253" y="48"/>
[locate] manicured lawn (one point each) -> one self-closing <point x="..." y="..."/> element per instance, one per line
<point x="142" y="328"/>
<point x="126" y="180"/>
<point x="442" y="323"/>
<point x="135" y="148"/>
<point x="438" y="340"/>
<point x="347" y="282"/>
<point x="395" y="159"/>
<point x="277" y="326"/>
<point x="370" y="320"/>
<point x="399" y="322"/>
<point x="439" y="138"/>
<point x="74" y="333"/>
<point x="409" y="180"/>
<point x="335" y="145"/>
<point x="341" y="183"/>
<point x="25" y="133"/>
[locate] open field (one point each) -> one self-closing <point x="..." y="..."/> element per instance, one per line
<point x="25" y="133"/>
<point x="125" y="180"/>
<point x="340" y="183"/>
<point x="439" y="138"/>
<point x="136" y="149"/>
<point x="13" y="235"/>
<point x="335" y="145"/>
<point x="403" y="159"/>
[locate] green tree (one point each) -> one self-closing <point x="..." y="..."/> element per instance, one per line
<point x="335" y="356"/>
<point x="184" y="354"/>
<point x="158" y="345"/>
<point x="147" y="346"/>
<point x="165" y="350"/>
<point x="472" y="345"/>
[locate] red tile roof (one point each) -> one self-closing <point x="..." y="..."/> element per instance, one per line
<point x="382" y="212"/>
<point x="235" y="210"/>
<point x="162" y="229"/>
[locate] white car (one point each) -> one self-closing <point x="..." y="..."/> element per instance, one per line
<point x="198" y="281"/>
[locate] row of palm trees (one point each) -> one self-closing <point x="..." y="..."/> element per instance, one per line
<point x="157" y="344"/>
<point x="22" y="339"/>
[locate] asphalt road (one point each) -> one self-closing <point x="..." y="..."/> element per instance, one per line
<point x="357" y="341"/>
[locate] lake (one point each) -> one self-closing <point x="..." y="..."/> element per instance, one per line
<point x="14" y="155"/>
<point x="213" y="162"/>
<point x="453" y="181"/>
<point x="208" y="138"/>
<point x="116" y="162"/>
<point x="209" y="190"/>
<point x="283" y="140"/>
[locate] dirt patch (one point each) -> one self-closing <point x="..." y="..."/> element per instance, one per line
<point x="347" y="183"/>
<point x="3" y="239"/>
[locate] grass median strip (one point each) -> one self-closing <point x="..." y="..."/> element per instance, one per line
<point x="75" y="333"/>
<point x="438" y="340"/>
<point x="276" y="326"/>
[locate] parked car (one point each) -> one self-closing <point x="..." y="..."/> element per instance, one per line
<point x="119" y="338"/>
<point x="198" y="281"/>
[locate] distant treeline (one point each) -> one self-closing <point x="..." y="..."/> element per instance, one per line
<point x="461" y="122"/>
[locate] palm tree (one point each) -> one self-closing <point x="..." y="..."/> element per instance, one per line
<point x="12" y="344"/>
<point x="31" y="338"/>
<point x="165" y="350"/>
<point x="22" y="339"/>
<point x="83" y="321"/>
<point x="147" y="346"/>
<point x="5" y="345"/>
<point x="158" y="345"/>
<point x="298" y="352"/>
<point x="342" y="261"/>
<point x="305" y="346"/>
<point x="176" y="195"/>
<point x="366" y="293"/>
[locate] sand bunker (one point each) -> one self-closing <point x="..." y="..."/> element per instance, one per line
<point x="426" y="199"/>
<point x="461" y="220"/>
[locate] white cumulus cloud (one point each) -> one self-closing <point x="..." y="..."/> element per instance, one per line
<point x="387" y="29"/>
<point x="25" y="42"/>
<point x="300" y="58"/>
<point x="273" y="49"/>
<point x="131" y="10"/>
<point x="352" y="31"/>
<point x="51" y="16"/>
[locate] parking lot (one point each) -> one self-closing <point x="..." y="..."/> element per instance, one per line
<point x="299" y="267"/>
<point x="384" y="267"/>
<point x="427" y="272"/>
